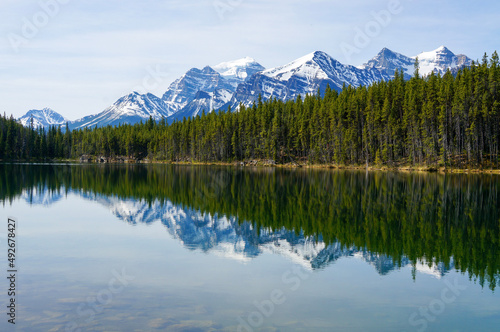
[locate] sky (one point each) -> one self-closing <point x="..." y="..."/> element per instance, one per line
<point x="79" y="56"/>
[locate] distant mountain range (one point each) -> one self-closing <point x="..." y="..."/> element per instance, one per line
<point x="42" y="118"/>
<point x="230" y="84"/>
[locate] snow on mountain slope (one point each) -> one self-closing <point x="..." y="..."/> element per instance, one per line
<point x="129" y="109"/>
<point x="242" y="81"/>
<point x="197" y="90"/>
<point x="183" y="90"/>
<point x="303" y="76"/>
<point x="238" y="71"/>
<point x="440" y="60"/>
<point x="437" y="61"/>
<point x="204" y="101"/>
<point x="389" y="62"/>
<point x="304" y="67"/>
<point x="42" y="118"/>
<point x="319" y="66"/>
<point x="342" y="74"/>
<point x="208" y="89"/>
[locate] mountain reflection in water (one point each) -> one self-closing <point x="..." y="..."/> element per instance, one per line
<point x="433" y="222"/>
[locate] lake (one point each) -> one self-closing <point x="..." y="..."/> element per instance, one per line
<point x="206" y="248"/>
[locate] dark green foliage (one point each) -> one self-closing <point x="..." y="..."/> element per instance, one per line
<point x="450" y="121"/>
<point x="27" y="143"/>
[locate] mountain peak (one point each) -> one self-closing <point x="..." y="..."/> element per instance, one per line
<point x="308" y="65"/>
<point x="321" y="54"/>
<point x="440" y="60"/>
<point x="130" y="109"/>
<point x="442" y="48"/>
<point x="388" y="62"/>
<point x="237" y="71"/>
<point x="241" y="81"/>
<point x="42" y="118"/>
<point x="387" y="52"/>
<point x="43" y="110"/>
<point x="208" y="70"/>
<point x="435" y="54"/>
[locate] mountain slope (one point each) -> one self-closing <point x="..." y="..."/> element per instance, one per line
<point x="440" y="60"/>
<point x="42" y="118"/>
<point x="184" y="90"/>
<point x="197" y="90"/>
<point x="241" y="81"/>
<point x="305" y="75"/>
<point x="388" y="62"/>
<point x="129" y="109"/>
<point x="208" y="89"/>
<point x="238" y="71"/>
<point x="204" y="101"/>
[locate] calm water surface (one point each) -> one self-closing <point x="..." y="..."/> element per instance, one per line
<point x="174" y="248"/>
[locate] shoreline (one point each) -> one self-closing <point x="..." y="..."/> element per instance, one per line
<point x="267" y="164"/>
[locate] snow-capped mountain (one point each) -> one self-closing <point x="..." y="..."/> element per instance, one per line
<point x="42" y="118"/>
<point x="185" y="89"/>
<point x="242" y="81"/>
<point x="305" y="75"/>
<point x="441" y="60"/>
<point x="208" y="89"/>
<point x="205" y="101"/>
<point x="129" y="109"/>
<point x="437" y="61"/>
<point x="388" y="62"/>
<point x="197" y="90"/>
<point x="238" y="71"/>
<point x="308" y="72"/>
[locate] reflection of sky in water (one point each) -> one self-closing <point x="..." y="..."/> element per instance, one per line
<point x="68" y="252"/>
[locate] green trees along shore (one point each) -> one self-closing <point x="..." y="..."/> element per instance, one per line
<point x="439" y="121"/>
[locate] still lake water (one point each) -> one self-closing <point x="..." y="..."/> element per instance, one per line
<point x="180" y="248"/>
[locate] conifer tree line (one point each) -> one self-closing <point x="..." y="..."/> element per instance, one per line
<point x="448" y="120"/>
<point x="32" y="144"/>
